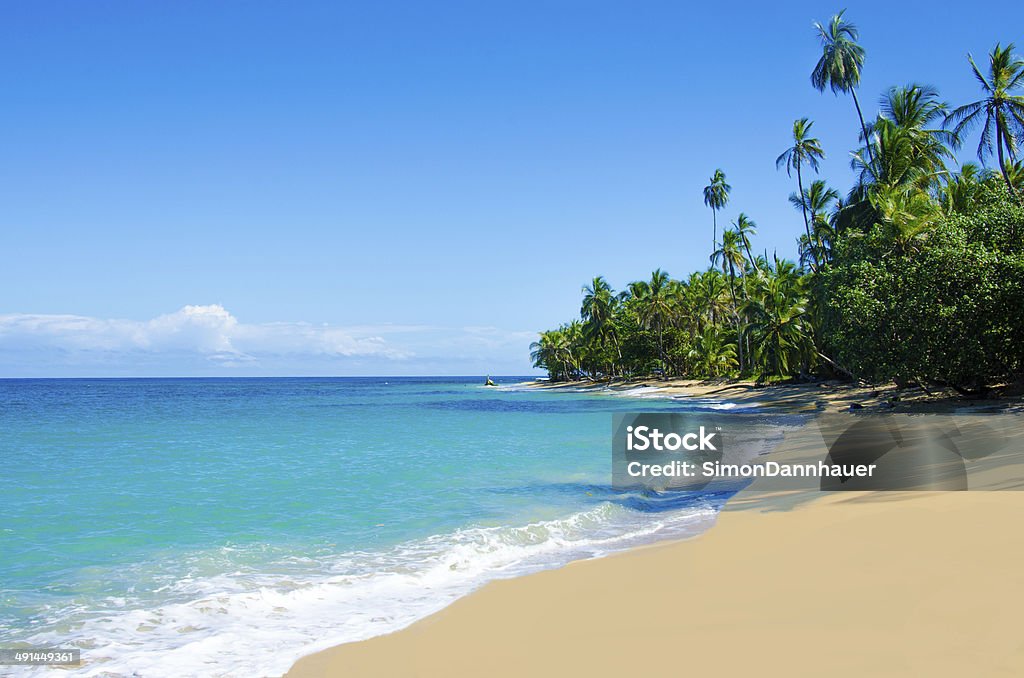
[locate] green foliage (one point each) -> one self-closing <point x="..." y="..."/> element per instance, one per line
<point x="1000" y="111"/>
<point x="693" y="328"/>
<point x="946" y="312"/>
<point x="993" y="219"/>
<point x="916" y="276"/>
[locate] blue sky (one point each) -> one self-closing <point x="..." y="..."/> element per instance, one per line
<point x="397" y="188"/>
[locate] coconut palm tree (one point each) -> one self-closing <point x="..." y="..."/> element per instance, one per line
<point x="916" y="107"/>
<point x="656" y="307"/>
<point x="816" y="201"/>
<point x="897" y="163"/>
<point x="712" y="353"/>
<point x="745" y="227"/>
<point x="576" y="347"/>
<point x="730" y="255"/>
<point x="778" y="327"/>
<point x="908" y="149"/>
<point x="906" y="217"/>
<point x="841" y="61"/>
<point x="716" y="196"/>
<point x="598" y="313"/>
<point x="709" y="296"/>
<point x="960" y="191"/>
<point x="1015" y="173"/>
<point x="1001" y="109"/>
<point x="553" y="352"/>
<point x="805" y="150"/>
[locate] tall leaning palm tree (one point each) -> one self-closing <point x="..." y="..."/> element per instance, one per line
<point x="806" y="150"/>
<point x="1000" y="108"/>
<point x="841" y="62"/>
<point x="716" y="196"/>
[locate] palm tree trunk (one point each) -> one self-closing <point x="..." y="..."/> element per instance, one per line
<point x="803" y="210"/>
<point x="732" y="288"/>
<point x="744" y="337"/>
<point x="714" y="229"/>
<point x="863" y="127"/>
<point x="750" y="256"/>
<point x="736" y="313"/>
<point x="661" y="350"/>
<point x="999" y="151"/>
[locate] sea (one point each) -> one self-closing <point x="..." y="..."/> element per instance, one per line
<point x="227" y="527"/>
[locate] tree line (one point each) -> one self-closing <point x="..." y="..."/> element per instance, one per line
<point x="915" y="275"/>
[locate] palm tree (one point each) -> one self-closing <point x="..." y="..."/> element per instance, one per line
<point x="907" y="149"/>
<point x="841" y="62"/>
<point x="712" y="353"/>
<point x="598" y="313"/>
<point x="815" y="201"/>
<point x="716" y="196"/>
<point x="805" y="150"/>
<point x="1015" y="173"/>
<point x="708" y="295"/>
<point x="906" y="217"/>
<point x="730" y="255"/>
<point x="914" y="107"/>
<point x="899" y="162"/>
<point x="1000" y="108"/>
<point x="778" y="326"/>
<point x="656" y="306"/>
<point x="960" y="191"/>
<point x="553" y="352"/>
<point x="745" y="227"/>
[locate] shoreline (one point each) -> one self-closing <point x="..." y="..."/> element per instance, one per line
<point x="747" y="518"/>
<point x="820" y="396"/>
<point x="779" y="584"/>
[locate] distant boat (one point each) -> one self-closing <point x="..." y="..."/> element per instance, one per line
<point x="489" y="382"/>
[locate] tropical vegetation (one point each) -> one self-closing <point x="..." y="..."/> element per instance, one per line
<point x="915" y="274"/>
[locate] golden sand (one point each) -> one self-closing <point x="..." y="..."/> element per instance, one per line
<point x="846" y="584"/>
<point x="785" y="584"/>
<point x="794" y="397"/>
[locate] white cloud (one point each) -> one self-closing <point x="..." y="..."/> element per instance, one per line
<point x="210" y="331"/>
<point x="210" y="340"/>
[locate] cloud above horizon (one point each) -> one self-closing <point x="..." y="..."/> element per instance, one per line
<point x="208" y="339"/>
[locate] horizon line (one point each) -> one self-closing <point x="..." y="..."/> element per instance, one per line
<point x="321" y="376"/>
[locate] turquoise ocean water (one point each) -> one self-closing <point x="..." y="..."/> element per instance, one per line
<point x="226" y="527"/>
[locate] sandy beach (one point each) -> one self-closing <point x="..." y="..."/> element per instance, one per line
<point x="786" y="583"/>
<point x="847" y="584"/>
<point x="820" y="396"/>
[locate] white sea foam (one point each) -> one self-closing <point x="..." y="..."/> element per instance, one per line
<point x="643" y="392"/>
<point x="697" y="403"/>
<point x="512" y="388"/>
<point x="246" y="624"/>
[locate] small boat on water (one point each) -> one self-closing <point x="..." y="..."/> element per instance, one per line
<point x="489" y="382"/>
